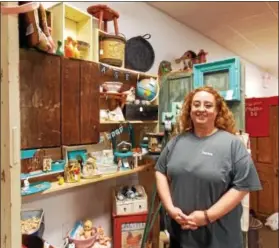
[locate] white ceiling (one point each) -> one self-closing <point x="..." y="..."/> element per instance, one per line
<point x="249" y="29"/>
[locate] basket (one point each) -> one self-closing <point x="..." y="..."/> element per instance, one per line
<point x="39" y="213"/>
<point x="113" y="47"/>
<point x="139" y="53"/>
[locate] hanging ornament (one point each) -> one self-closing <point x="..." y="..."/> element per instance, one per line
<point x="103" y="68"/>
<point x="115" y="74"/>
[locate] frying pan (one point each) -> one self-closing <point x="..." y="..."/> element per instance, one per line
<point x="139" y="54"/>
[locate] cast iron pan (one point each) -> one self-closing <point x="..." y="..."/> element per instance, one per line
<point x="139" y="54"/>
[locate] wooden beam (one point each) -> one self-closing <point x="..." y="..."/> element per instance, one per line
<point x="10" y="132"/>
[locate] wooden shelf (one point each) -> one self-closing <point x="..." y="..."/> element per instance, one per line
<point x="132" y="122"/>
<point x="70" y="21"/>
<point x="55" y="187"/>
<point x="140" y="73"/>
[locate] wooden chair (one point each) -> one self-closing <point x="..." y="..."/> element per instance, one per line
<point x="104" y="14"/>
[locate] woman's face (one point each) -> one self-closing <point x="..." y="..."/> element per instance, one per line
<point x="203" y="109"/>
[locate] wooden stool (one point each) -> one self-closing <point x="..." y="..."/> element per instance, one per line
<point x="104" y="14"/>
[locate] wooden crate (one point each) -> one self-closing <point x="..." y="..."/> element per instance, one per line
<point x="67" y="20"/>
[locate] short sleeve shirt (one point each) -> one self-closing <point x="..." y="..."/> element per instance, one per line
<point x="201" y="170"/>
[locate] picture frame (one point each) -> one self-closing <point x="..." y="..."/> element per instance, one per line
<point x="125" y="224"/>
<point x="229" y="73"/>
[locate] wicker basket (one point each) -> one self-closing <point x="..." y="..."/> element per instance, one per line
<point x="113" y="49"/>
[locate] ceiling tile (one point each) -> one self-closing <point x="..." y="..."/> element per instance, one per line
<point x="255" y="23"/>
<point x="264" y="39"/>
<point x="274" y="6"/>
<point x="249" y="29"/>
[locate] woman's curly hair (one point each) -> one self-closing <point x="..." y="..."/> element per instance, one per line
<point x="224" y="119"/>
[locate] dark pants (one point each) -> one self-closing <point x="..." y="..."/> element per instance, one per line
<point x="174" y="243"/>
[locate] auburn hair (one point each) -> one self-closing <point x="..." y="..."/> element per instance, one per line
<point x="224" y="119"/>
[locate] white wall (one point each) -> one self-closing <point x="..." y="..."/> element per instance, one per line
<point x="170" y="40"/>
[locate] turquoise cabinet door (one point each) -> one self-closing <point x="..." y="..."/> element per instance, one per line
<point x="223" y="75"/>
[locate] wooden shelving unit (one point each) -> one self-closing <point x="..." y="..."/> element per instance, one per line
<point x="67" y="20"/>
<point x="138" y="73"/>
<point x="55" y="187"/>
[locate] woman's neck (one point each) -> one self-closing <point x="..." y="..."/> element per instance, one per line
<point x="206" y="131"/>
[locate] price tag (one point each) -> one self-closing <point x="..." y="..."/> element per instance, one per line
<point x="229" y="95"/>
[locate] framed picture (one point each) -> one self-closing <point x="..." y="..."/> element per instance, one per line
<point x="223" y="75"/>
<point x="128" y="230"/>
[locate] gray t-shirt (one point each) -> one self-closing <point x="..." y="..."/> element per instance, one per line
<point x="201" y="170"/>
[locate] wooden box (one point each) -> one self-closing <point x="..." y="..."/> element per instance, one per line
<point x="128" y="230"/>
<point x="131" y="206"/>
<point x="67" y="20"/>
<point x="140" y="112"/>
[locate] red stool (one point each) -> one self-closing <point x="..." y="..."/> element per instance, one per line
<point x="104" y="14"/>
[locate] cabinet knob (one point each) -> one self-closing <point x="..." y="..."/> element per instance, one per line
<point x="94" y="127"/>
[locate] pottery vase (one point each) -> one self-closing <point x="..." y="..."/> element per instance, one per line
<point x="76" y="51"/>
<point x="69" y="48"/>
<point x="59" y="50"/>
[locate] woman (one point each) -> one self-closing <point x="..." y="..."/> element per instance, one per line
<point x="203" y="174"/>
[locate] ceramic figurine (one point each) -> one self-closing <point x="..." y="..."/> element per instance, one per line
<point x="120" y="196"/>
<point x="88" y="230"/>
<point x="75" y="49"/>
<point x="129" y="193"/>
<point x="26" y="184"/>
<point x="69" y="49"/>
<point x="131" y="95"/>
<point x="61" y="180"/>
<point x="189" y="58"/>
<point x="164" y="68"/>
<point x="59" y="50"/>
<point x="101" y="238"/>
<point x="202" y="56"/>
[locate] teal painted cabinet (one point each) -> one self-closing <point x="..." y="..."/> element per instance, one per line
<point x="227" y="76"/>
<point x="223" y="75"/>
<point x="174" y="87"/>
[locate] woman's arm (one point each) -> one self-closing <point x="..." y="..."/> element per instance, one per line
<point x="225" y="204"/>
<point x="165" y="196"/>
<point x="164" y="190"/>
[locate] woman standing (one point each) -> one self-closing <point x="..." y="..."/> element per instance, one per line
<point x="203" y="174"/>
